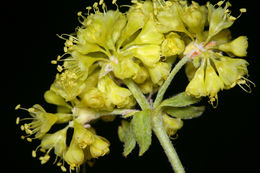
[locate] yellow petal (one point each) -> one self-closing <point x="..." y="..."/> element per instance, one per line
<point x="213" y="84"/>
<point x="196" y="86"/>
<point x="238" y="46"/>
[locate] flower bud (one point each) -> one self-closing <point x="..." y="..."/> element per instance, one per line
<point x="172" y="45"/>
<point x="57" y="141"/>
<point x="171" y="125"/>
<point x="52" y="98"/>
<point x="82" y="135"/>
<point x="117" y="95"/>
<point x="74" y="155"/>
<point x="100" y="147"/>
<point x="194" y="16"/>
<point x="93" y="98"/>
<point x="213" y="84"/>
<point x="196" y="86"/>
<point x="159" y="73"/>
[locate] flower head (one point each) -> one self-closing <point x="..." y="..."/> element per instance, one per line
<point x="211" y="70"/>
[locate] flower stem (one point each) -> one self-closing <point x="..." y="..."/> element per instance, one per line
<point x="166" y="84"/>
<point x="166" y="143"/>
<point x="137" y="93"/>
<point x="157" y="125"/>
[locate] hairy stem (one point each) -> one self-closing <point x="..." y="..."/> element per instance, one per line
<point x="137" y="93"/>
<point x="166" y="84"/>
<point x="166" y="143"/>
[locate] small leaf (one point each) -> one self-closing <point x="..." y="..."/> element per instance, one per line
<point x="186" y="112"/>
<point x="180" y="100"/>
<point x="126" y="136"/>
<point x="141" y="124"/>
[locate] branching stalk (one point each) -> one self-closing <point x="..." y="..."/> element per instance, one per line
<point x="167" y="82"/>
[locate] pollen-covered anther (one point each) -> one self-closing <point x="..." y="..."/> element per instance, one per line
<point x="44" y="159"/>
<point x="34" y="153"/>
<point x="17" y="120"/>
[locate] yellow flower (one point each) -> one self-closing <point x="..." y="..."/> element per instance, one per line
<point x="172" y="45"/>
<point x="99" y="147"/>
<point x="93" y="98"/>
<point x="197" y="86"/>
<point x="83" y="136"/>
<point x="74" y="156"/>
<point x="113" y="41"/>
<point x="171" y="125"/>
<point x="238" y="46"/>
<point x="159" y="73"/>
<point x="219" y="18"/>
<point x="194" y="16"/>
<point x="57" y="141"/>
<point x="170" y="19"/>
<point x="210" y="71"/>
<point x="67" y="85"/>
<point x="52" y="98"/>
<point x="231" y="70"/>
<point x="41" y="122"/>
<point x="213" y="84"/>
<point x="115" y="94"/>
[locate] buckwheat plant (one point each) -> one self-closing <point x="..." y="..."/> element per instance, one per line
<point x="117" y="62"/>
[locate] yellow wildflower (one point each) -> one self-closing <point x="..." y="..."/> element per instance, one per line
<point x="99" y="147"/>
<point x="211" y="70"/>
<point x="74" y="156"/>
<point x="41" y="122"/>
<point x="56" y="141"/>
<point x="119" y="96"/>
<point x="67" y="85"/>
<point x="172" y="45"/>
<point x="82" y="135"/>
<point x="194" y="16"/>
<point x="171" y="125"/>
<point x="238" y="46"/>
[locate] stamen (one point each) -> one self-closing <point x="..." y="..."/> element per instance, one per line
<point x="59" y="68"/>
<point x="101" y="2"/>
<point x="17" y="107"/>
<point x="17" y="120"/>
<point x="114" y="1"/>
<point x="34" y="153"/>
<point x="29" y="139"/>
<point x="88" y="8"/>
<point x="63" y="168"/>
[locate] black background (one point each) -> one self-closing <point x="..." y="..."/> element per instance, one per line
<point x="222" y="140"/>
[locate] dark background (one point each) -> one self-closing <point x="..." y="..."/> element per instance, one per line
<point x="222" y="140"/>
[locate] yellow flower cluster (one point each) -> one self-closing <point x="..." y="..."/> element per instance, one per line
<point x="213" y="66"/>
<point x="141" y="45"/>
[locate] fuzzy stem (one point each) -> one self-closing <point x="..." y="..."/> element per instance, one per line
<point x="137" y="93"/>
<point x="166" y="143"/>
<point x="166" y="84"/>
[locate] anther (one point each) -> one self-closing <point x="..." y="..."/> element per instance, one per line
<point x="101" y="2"/>
<point x="220" y="3"/>
<point x="59" y="68"/>
<point x="29" y="139"/>
<point x="54" y="62"/>
<point x="63" y="168"/>
<point x="17" y="120"/>
<point x="114" y="1"/>
<point x="17" y="107"/>
<point x="242" y="10"/>
<point x="33" y="153"/>
<point x="79" y="13"/>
